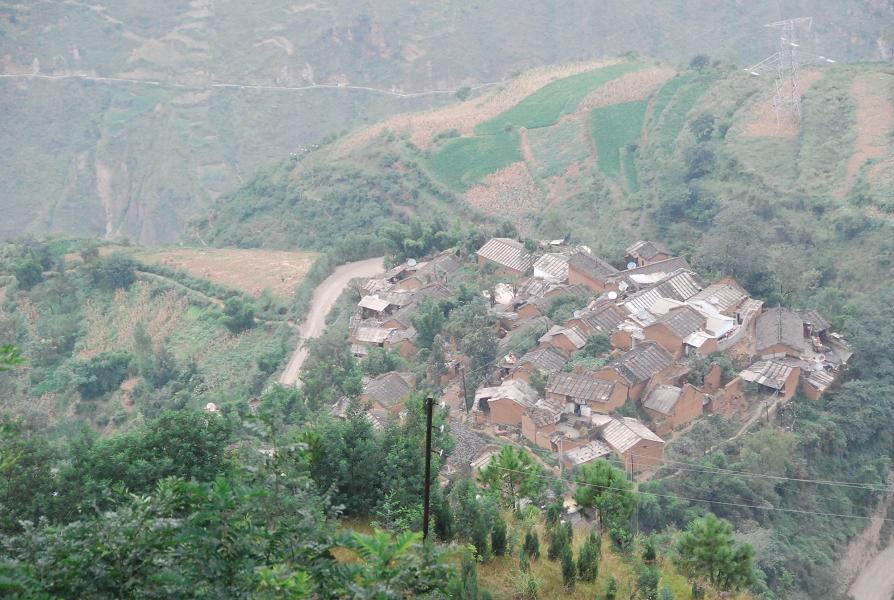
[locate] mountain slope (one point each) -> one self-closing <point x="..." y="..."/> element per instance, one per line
<point x="143" y="154"/>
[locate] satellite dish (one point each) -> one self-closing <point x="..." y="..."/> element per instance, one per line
<point x="631" y="265"/>
<point x="411" y="262"/>
<point x="613" y="295"/>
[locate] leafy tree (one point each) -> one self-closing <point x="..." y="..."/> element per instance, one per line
<point x="428" y="321"/>
<point x="596" y="346"/>
<point x="101" y="374"/>
<point x="382" y="360"/>
<point x="479" y="536"/>
<point x="699" y="162"/>
<point x="9" y="357"/>
<point x="27" y="271"/>
<point x="538" y="381"/>
<point x="700" y="62"/>
<point x="606" y="488"/>
<point x="240" y="315"/>
<point x="666" y="593"/>
<point x="512" y="474"/>
<point x="463" y="93"/>
<point x="114" y="272"/>
<point x="707" y="549"/>
<point x="650" y="555"/>
<point x="702" y="127"/>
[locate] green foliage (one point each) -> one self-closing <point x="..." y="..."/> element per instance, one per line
<point x="702" y="127"/>
<point x="240" y="315"/>
<point x="569" y="572"/>
<point x="673" y="116"/>
<point x="588" y="559"/>
<point x="27" y="271"/>
<point x="9" y="357"/>
<point x="511" y="475"/>
<point x="647" y="583"/>
<point x="614" y="127"/>
<point x="428" y="320"/>
<point x="707" y="549"/>
<point x="382" y="360"/>
<point x="547" y="105"/>
<point x="561" y="538"/>
<point x="611" y="589"/>
<point x="558" y="147"/>
<point x="117" y="271"/>
<point x="602" y="486"/>
<point x="596" y="346"/>
<point x="463" y="162"/>
<point x="101" y="374"/>
<point x="531" y="547"/>
<point x="498" y="536"/>
<point x="563" y="307"/>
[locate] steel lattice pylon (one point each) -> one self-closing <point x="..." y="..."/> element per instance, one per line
<point x="786" y="66"/>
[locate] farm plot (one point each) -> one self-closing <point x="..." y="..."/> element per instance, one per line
<point x="558" y="147"/>
<point x="674" y="114"/>
<point x="463" y="162"/>
<point x="613" y="128"/>
<point x="248" y="270"/>
<point x="664" y="95"/>
<point x="547" y="105"/>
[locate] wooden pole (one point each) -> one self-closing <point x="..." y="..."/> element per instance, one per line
<point x="426" y="498"/>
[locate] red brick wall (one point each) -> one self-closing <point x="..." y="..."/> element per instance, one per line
<point x="665" y="338"/>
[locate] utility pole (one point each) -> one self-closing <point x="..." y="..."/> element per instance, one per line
<point x="462" y="374"/>
<point x="426" y="497"/>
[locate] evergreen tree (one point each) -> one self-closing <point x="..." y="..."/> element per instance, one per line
<point x="479" y="537"/>
<point x="569" y="573"/>
<point x="611" y="589"/>
<point x="559" y="540"/>
<point x="606" y="488"/>
<point x="498" y="536"/>
<point x="707" y="549"/>
<point x="588" y="559"/>
<point x="532" y="545"/>
<point x="647" y="583"/>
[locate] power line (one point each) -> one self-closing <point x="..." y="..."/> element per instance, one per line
<point x="705" y="468"/>
<point x="703" y="500"/>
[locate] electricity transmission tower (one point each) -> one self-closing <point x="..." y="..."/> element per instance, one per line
<point x="786" y="66"/>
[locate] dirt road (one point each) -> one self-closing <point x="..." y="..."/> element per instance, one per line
<point x="876" y="580"/>
<point x="323" y="299"/>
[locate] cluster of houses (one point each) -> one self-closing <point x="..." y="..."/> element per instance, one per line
<point x="656" y="315"/>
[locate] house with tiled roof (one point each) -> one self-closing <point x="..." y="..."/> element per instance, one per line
<point x="538" y="424"/>
<point x="644" y="252"/>
<point x="776" y="377"/>
<point x="552" y="266"/>
<point x="438" y="269"/>
<point x="725" y="297"/>
<point x="680" y="285"/>
<point x="568" y="339"/>
<point x="506" y="403"/>
<point x="640" y="368"/>
<point x="779" y="332"/>
<point x="589" y="270"/>
<point x="672" y="407"/>
<point x="389" y="391"/>
<point x="583" y="393"/>
<point x="636" y="445"/>
<point x="593" y="450"/>
<point x="642" y="277"/>
<point x="544" y="358"/>
<point x="602" y="318"/>
<point x="509" y="256"/>
<point x="676" y="327"/>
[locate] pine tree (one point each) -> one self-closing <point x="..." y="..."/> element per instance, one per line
<point x="532" y="545"/>
<point x="569" y="573"/>
<point x="479" y="537"/>
<point x="498" y="537"/>
<point x="611" y="590"/>
<point x="588" y="559"/>
<point x="557" y="543"/>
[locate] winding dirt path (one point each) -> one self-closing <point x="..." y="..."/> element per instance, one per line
<point x="324" y="298"/>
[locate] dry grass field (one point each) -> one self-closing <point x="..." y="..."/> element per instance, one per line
<point x="250" y="270"/>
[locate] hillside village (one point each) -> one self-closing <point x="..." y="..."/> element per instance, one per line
<point x="647" y="350"/>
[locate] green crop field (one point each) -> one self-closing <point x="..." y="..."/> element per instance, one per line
<point x="545" y="106"/>
<point x="629" y="163"/>
<point x="465" y="161"/>
<point x="674" y="117"/>
<point x="614" y="127"/>
<point x="665" y="94"/>
<point x="558" y="147"/>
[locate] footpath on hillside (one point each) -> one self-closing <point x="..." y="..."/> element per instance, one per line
<point x="324" y="299"/>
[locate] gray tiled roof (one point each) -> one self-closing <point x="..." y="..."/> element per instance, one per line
<point x="389" y="389"/>
<point x="817" y="320"/>
<point x="722" y="296"/>
<point x="554" y="265"/>
<point x="507" y="252"/>
<point x="603" y="319"/>
<point x="779" y="326"/>
<point x="645" y="249"/>
<point x="584" y="454"/>
<point x="592" y="266"/>
<point x="769" y="373"/>
<point x="663" y="399"/>
<point x="682" y="321"/>
<point x="623" y="434"/>
<point x="643" y="362"/>
<point x="580" y="387"/>
<point x="546" y="358"/>
<point x="680" y="285"/>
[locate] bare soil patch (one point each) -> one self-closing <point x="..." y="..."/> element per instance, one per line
<point x="510" y="193"/>
<point x="761" y="122"/>
<point x="627" y="88"/>
<point x="248" y="270"/>
<point x="527" y="151"/>
<point x="464" y="116"/>
<point x="875" y="120"/>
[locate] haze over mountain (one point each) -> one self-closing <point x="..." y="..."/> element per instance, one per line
<point x="142" y="154"/>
